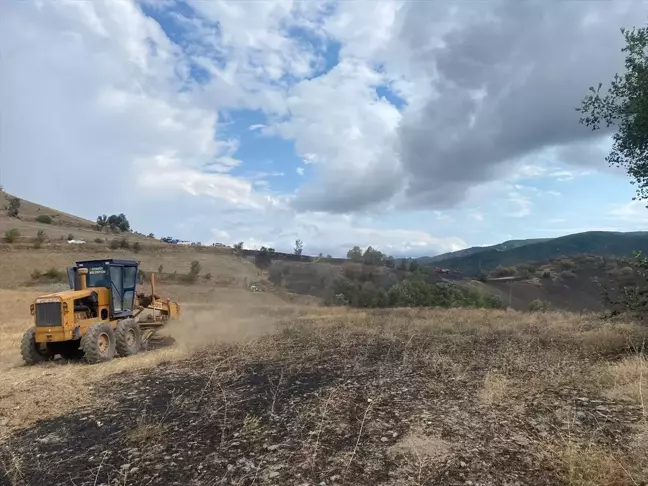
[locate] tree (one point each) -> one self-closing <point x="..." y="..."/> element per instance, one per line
<point x="299" y="246"/>
<point x="413" y="266"/>
<point x="390" y="262"/>
<point x="355" y="254"/>
<point x="403" y="264"/>
<point x="238" y="247"/>
<point x="372" y="256"/>
<point x="263" y="258"/>
<point x="102" y="221"/>
<point x="117" y="222"/>
<point x="14" y="207"/>
<point x="625" y="107"/>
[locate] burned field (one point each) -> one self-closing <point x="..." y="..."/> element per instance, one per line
<point x="400" y="398"/>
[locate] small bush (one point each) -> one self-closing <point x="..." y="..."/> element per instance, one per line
<point x="124" y="244"/>
<point x="51" y="275"/>
<point x="567" y="264"/>
<point x="12" y="235"/>
<point x="208" y="276"/>
<point x="70" y="237"/>
<point x="39" y="239"/>
<point x="567" y="274"/>
<point x="54" y="274"/>
<point x="114" y="244"/>
<point x="501" y="271"/>
<point x="44" y="219"/>
<point x="546" y="274"/>
<point x="161" y="269"/>
<point x="538" y="305"/>
<point x="14" y="207"/>
<point x="98" y="240"/>
<point x="195" y="268"/>
<point x="137" y="247"/>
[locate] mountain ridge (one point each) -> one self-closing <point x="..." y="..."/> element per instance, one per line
<point x="601" y="243"/>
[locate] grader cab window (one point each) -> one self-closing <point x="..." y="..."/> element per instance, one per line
<point x="98" y="277"/>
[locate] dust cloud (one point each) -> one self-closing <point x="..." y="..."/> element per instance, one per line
<point x="201" y="325"/>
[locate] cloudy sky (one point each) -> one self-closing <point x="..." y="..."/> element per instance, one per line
<point x="416" y="127"/>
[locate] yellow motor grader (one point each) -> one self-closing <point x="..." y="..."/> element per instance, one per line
<point x="101" y="315"/>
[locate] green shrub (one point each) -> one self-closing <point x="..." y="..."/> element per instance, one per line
<point x="567" y="264"/>
<point x="409" y="293"/>
<point x="501" y="271"/>
<point x="114" y="244"/>
<point x="44" y="219"/>
<point x="538" y="305"/>
<point x="12" y="235"/>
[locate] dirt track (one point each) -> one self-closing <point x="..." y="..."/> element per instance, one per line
<point x="361" y="398"/>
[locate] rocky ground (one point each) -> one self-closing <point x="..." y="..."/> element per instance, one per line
<point x="375" y="398"/>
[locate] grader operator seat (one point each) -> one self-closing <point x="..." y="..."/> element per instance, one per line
<point x="119" y="276"/>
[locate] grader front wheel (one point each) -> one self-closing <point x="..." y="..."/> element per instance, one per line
<point x="99" y="343"/>
<point x="32" y="352"/>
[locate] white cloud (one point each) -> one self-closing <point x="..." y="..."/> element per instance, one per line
<point x="630" y="212"/>
<point x="98" y="90"/>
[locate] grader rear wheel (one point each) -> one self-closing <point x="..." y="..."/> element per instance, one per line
<point x="99" y="343"/>
<point x="129" y="337"/>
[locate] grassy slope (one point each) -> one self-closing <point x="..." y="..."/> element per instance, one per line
<point x="20" y="259"/>
<point x="63" y="224"/>
<point x="602" y="243"/>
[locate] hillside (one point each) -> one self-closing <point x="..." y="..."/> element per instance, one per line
<point x="507" y="245"/>
<point x="61" y="227"/>
<point x="602" y="243"/>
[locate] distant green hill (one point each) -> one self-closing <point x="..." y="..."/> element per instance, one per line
<point x="603" y="243"/>
<point x="507" y="245"/>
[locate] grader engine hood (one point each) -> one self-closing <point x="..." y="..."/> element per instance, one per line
<point x="49" y="310"/>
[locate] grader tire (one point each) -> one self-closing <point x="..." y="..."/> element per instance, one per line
<point x="31" y="352"/>
<point x="98" y="343"/>
<point x="129" y="338"/>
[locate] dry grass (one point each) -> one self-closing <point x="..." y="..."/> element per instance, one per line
<point x="428" y="389"/>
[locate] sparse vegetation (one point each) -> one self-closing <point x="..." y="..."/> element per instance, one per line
<point x="538" y="305"/>
<point x="44" y="219"/>
<point x="14" y="207"/>
<point x="51" y="275"/>
<point x="39" y="239"/>
<point x="137" y="247"/>
<point x="12" y="235"/>
<point x="70" y="237"/>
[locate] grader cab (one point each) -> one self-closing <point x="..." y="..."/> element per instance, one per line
<point x="101" y="315"/>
